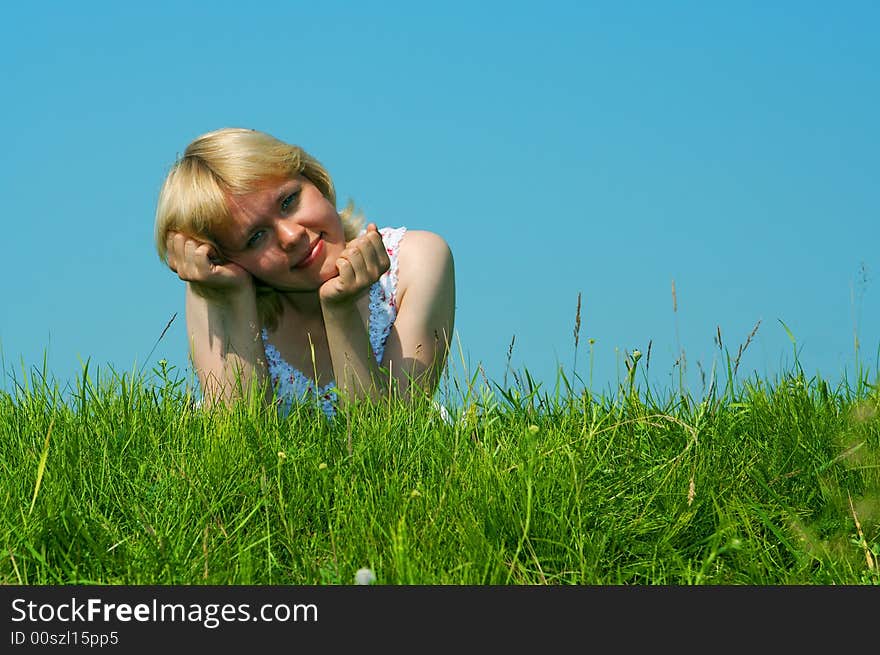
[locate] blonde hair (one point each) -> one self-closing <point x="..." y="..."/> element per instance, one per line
<point x="228" y="162"/>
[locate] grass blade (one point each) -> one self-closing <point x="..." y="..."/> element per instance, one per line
<point x="41" y="467"/>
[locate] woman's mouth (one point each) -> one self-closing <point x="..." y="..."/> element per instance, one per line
<point x="313" y="254"/>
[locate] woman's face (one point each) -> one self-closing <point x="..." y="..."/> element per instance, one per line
<point x="286" y="234"/>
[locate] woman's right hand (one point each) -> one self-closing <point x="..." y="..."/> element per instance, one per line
<point x="199" y="263"/>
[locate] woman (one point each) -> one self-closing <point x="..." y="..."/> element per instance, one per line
<point x="285" y="296"/>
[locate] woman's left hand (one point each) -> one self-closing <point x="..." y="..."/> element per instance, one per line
<point x="362" y="263"/>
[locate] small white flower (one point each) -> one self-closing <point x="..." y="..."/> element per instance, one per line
<point x="364" y="576"/>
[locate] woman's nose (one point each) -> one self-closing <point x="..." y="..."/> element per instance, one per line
<point x="290" y="234"/>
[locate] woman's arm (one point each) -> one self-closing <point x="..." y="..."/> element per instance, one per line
<point x="360" y="265"/>
<point x="222" y="322"/>
<point x="418" y="343"/>
<point x="226" y="346"/>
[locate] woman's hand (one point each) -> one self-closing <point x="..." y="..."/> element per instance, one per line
<point x="362" y="263"/>
<point x="200" y="264"/>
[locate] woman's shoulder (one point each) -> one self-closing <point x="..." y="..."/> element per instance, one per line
<point x="424" y="259"/>
<point x="416" y="243"/>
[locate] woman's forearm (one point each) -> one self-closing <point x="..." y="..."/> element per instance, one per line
<point x="354" y="363"/>
<point x="226" y="346"/>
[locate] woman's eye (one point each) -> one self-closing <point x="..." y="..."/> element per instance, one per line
<point x="255" y="238"/>
<point x="288" y="201"/>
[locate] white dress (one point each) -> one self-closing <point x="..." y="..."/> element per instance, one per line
<point x="292" y="385"/>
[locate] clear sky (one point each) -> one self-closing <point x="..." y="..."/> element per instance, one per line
<point x="601" y="148"/>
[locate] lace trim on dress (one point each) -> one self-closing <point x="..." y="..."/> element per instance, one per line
<point x="383" y="303"/>
<point x="292" y="385"/>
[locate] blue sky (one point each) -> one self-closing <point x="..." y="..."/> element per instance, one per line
<point x="601" y="148"/>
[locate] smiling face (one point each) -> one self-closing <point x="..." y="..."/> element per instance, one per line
<point x="285" y="233"/>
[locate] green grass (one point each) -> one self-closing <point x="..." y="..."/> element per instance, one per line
<point x="124" y="481"/>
